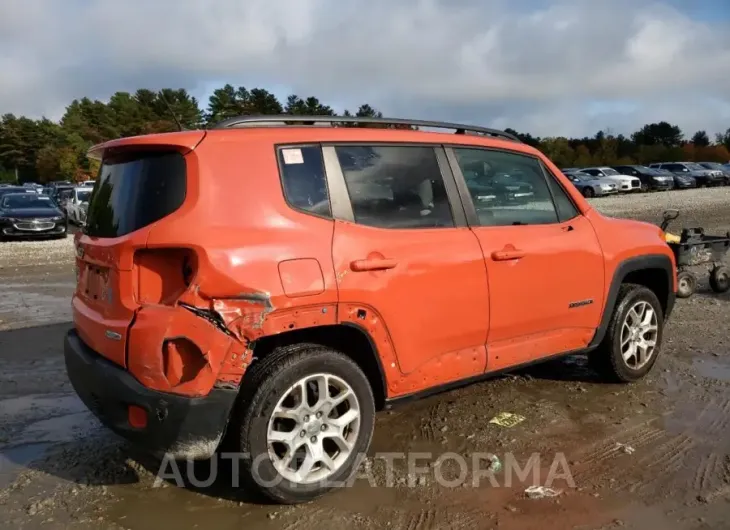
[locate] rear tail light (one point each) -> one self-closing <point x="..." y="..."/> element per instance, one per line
<point x="164" y="274"/>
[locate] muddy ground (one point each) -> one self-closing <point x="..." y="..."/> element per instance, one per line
<point x="655" y="454"/>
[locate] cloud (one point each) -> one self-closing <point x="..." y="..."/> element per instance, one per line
<point x="562" y="67"/>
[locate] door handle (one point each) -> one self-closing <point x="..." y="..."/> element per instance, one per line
<point x="363" y="265"/>
<point x="568" y="228"/>
<point x="507" y="255"/>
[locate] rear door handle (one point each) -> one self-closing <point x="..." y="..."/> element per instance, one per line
<point x="507" y="255"/>
<point x="363" y="265"/>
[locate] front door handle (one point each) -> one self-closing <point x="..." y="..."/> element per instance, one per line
<point x="507" y="254"/>
<point x="377" y="264"/>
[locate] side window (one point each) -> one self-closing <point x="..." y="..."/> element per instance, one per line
<point x="303" y="179"/>
<point x="507" y="188"/>
<point x="563" y="204"/>
<point x="593" y="172"/>
<point x="395" y="186"/>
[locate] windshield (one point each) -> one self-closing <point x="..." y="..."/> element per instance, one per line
<point x="609" y="171"/>
<point x="25" y="201"/>
<point x="581" y="176"/>
<point x="83" y="195"/>
<point x="694" y="167"/>
<point x="711" y="165"/>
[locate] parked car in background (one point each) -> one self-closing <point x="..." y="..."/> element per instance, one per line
<point x="61" y="195"/>
<point x="590" y="186"/>
<point x="715" y="166"/>
<point x="624" y="183"/>
<point x="12" y="189"/>
<point x="702" y="176"/>
<point x="88" y="183"/>
<point x="32" y="187"/>
<point x="651" y="179"/>
<point x="77" y="205"/>
<point x="28" y="214"/>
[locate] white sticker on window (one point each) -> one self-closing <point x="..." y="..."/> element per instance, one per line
<point x="292" y="156"/>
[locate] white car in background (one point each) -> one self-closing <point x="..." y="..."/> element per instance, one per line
<point x="624" y="183"/>
<point x="77" y="205"/>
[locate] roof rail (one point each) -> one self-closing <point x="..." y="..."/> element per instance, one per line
<point x="287" y="119"/>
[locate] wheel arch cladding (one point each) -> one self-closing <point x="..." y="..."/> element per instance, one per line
<point x="654" y="271"/>
<point x="349" y="339"/>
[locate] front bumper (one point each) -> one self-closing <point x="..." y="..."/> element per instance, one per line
<point x="662" y="185"/>
<point x="600" y="192"/>
<point x="179" y="426"/>
<point x="22" y="230"/>
<point x="684" y="185"/>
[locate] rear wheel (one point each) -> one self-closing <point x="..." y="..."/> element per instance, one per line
<point x="633" y="339"/>
<point x="588" y="192"/>
<point x="686" y="284"/>
<point x="307" y="421"/>
<point x="720" y="279"/>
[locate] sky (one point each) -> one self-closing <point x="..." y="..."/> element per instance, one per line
<point x="547" y="67"/>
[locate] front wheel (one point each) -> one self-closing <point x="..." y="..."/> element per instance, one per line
<point x="633" y="339"/>
<point x="720" y="279"/>
<point x="588" y="192"/>
<point x="306" y="423"/>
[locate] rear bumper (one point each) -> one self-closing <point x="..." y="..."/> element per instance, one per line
<point x="182" y="427"/>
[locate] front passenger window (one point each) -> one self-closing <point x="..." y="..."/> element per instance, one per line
<point x="507" y="188"/>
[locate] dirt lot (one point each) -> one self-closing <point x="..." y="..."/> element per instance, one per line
<point x="651" y="455"/>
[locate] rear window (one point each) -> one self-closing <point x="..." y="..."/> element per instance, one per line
<point x="135" y="190"/>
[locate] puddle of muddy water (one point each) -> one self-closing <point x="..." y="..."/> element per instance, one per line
<point x="21" y="306"/>
<point x="39" y="404"/>
<point x="16" y="459"/>
<point x="712" y="369"/>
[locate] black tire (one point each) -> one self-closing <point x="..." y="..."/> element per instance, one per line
<point x="686" y="284"/>
<point x="588" y="192"/>
<point x="265" y="384"/>
<point x="720" y="279"/>
<point x="607" y="359"/>
<point x="645" y="188"/>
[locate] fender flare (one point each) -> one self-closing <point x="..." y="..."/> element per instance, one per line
<point x="629" y="265"/>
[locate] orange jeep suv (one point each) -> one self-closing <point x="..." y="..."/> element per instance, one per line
<point x="275" y="283"/>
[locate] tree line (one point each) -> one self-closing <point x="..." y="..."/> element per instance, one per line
<point x="43" y="150"/>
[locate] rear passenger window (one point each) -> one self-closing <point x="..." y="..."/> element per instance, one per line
<point x="303" y="179"/>
<point x="395" y="186"/>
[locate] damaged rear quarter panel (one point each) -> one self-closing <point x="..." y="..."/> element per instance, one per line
<point x="240" y="239"/>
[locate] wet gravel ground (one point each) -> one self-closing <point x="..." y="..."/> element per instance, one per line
<point x="655" y="454"/>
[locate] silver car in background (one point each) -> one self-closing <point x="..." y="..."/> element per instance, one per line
<point x="590" y="186"/>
